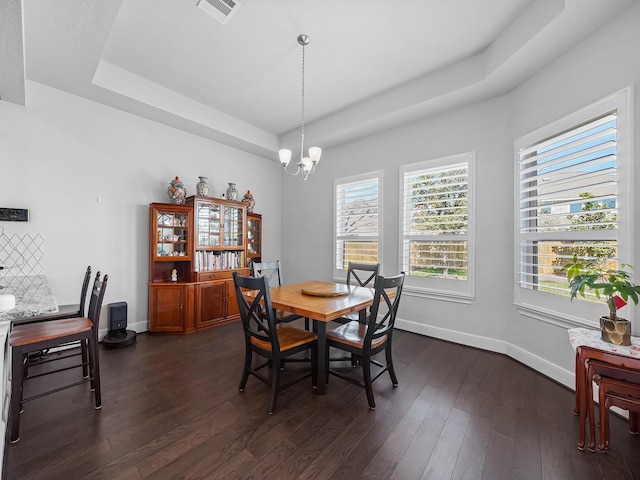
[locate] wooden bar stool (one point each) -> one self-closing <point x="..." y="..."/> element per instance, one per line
<point x="32" y="337"/>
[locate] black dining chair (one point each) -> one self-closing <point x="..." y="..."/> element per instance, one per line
<point x="360" y="275"/>
<point x="273" y="271"/>
<point x="31" y="337"/>
<point x="365" y="340"/>
<point x="273" y="341"/>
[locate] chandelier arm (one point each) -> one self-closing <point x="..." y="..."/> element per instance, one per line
<point x="284" y="167"/>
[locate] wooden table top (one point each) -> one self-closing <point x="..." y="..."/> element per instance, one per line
<point x="291" y="298"/>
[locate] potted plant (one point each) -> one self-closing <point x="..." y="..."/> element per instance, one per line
<point x="615" y="286"/>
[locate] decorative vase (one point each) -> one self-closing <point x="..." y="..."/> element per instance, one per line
<point x="176" y="191"/>
<point x="617" y="333"/>
<point x="249" y="200"/>
<point x="232" y="193"/>
<point x="202" y="187"/>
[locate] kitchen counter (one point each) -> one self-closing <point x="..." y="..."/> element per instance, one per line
<point x="33" y="296"/>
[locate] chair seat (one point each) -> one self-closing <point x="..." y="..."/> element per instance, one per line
<point x="42" y="331"/>
<point x="353" y="334"/>
<point x="350" y="317"/>
<point x="289" y="337"/>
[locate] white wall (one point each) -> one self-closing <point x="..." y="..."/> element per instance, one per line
<point x="61" y="152"/>
<point x="601" y="65"/>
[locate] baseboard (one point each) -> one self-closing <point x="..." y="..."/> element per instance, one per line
<point x="539" y="364"/>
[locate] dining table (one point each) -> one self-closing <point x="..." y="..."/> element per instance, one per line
<point x="322" y="302"/>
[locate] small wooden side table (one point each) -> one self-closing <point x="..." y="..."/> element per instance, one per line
<point x="589" y="346"/>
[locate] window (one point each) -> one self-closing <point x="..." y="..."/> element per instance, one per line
<point x="572" y="199"/>
<point x="437" y="225"/>
<point x="357" y="221"/>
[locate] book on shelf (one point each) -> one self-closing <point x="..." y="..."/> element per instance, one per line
<point x="206" y="261"/>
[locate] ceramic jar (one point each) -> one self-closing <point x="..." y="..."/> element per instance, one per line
<point x="617" y="332"/>
<point x="176" y="191"/>
<point x="249" y="200"/>
<point x="232" y="193"/>
<point x="202" y="187"/>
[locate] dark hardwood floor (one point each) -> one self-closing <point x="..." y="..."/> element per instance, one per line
<point x="172" y="410"/>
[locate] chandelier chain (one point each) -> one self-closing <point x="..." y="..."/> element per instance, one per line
<point x="302" y="125"/>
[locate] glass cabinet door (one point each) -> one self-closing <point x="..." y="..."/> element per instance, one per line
<point x="233" y="227"/>
<point x="253" y="236"/>
<point x="208" y="225"/>
<point x="172" y="234"/>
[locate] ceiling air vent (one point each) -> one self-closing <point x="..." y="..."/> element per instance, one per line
<point x="221" y="10"/>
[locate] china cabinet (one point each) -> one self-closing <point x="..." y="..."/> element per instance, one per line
<point x="204" y="241"/>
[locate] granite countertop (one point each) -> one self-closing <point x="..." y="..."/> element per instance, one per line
<point x="33" y="296"/>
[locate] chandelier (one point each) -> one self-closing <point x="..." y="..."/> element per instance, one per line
<point x="306" y="165"/>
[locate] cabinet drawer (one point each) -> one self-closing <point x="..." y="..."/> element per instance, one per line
<point x="220" y="275"/>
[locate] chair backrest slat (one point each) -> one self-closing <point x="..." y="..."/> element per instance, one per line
<point x="83" y="291"/>
<point x="271" y="270"/>
<point x="95" y="302"/>
<point x="363" y="273"/>
<point x="256" y="313"/>
<point x="388" y="291"/>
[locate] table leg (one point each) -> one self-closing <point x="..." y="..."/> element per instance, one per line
<point x="576" y="408"/>
<point x="581" y="397"/>
<point x="320" y="328"/>
<point x="15" y="399"/>
<point x="589" y="406"/>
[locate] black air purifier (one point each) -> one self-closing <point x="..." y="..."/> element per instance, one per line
<point x="118" y="335"/>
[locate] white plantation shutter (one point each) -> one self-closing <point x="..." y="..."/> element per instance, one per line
<point x="568" y="201"/>
<point x="357" y="220"/>
<point x="436" y="223"/>
<point x="574" y="195"/>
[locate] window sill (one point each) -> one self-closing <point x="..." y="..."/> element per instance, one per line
<point x="442" y="295"/>
<point x="552" y="317"/>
